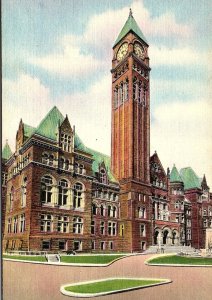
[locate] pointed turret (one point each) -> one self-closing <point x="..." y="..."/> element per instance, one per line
<point x="175" y="175"/>
<point x="204" y="184"/>
<point x="6" y="152"/>
<point x="132" y="26"/>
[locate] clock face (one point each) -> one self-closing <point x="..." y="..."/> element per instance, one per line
<point x="139" y="50"/>
<point x="122" y="51"/>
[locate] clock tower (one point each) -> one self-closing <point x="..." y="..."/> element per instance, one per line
<point x="130" y="151"/>
<point x="130" y="105"/>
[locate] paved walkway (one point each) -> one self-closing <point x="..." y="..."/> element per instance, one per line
<point x="24" y="281"/>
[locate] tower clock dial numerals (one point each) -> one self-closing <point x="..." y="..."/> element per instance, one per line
<point x="122" y="51"/>
<point x="139" y="50"/>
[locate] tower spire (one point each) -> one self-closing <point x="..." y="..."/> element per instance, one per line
<point x="130" y="13"/>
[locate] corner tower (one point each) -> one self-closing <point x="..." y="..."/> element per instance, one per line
<point x="130" y="105"/>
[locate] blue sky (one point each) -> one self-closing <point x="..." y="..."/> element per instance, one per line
<point x="58" y="52"/>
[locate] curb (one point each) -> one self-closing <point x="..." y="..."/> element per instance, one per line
<point x="147" y="262"/>
<point x="70" y="264"/>
<point x="83" y="295"/>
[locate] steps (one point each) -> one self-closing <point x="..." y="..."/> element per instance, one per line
<point x="53" y="258"/>
<point x="171" y="249"/>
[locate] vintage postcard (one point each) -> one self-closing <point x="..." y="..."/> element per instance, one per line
<point x="106" y="149"/>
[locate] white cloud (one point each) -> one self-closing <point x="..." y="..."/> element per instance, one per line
<point x="90" y="112"/>
<point x="175" y="89"/>
<point x="24" y="98"/>
<point x="78" y="55"/>
<point x="70" y="60"/>
<point x="181" y="134"/>
<point x="177" y="56"/>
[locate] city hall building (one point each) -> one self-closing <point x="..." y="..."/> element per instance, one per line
<point x="58" y="194"/>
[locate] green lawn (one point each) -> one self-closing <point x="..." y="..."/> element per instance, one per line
<point x="22" y="257"/>
<point x="110" y="285"/>
<point x="74" y="259"/>
<point x="89" y="259"/>
<point x="181" y="260"/>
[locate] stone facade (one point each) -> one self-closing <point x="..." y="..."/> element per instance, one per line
<point x="59" y="195"/>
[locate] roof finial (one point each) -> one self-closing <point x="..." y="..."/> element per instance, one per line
<point x="6" y="141"/>
<point x="130" y="14"/>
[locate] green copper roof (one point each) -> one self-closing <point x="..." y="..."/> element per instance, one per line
<point x="97" y="156"/>
<point x="28" y="130"/>
<point x="49" y="125"/>
<point x="48" y="128"/>
<point x="190" y="178"/>
<point x="6" y="152"/>
<point x="98" y="159"/>
<point x="130" y="25"/>
<point x="175" y="176"/>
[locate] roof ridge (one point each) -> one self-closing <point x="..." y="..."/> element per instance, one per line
<point x="130" y="25"/>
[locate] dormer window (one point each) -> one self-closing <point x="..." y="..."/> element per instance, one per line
<point x="103" y="176"/>
<point x="65" y="142"/>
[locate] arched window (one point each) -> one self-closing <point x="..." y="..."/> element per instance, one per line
<point x="62" y="163"/>
<point x="126" y="90"/>
<point x="23" y="192"/>
<point x="103" y="176"/>
<point x="102" y="210"/>
<point x="66" y="164"/>
<point x="121" y="94"/>
<point x="116" y="97"/>
<point x="135" y="89"/>
<point x="114" y="211"/>
<point x="46" y="189"/>
<point x="94" y="209"/>
<point x="11" y="198"/>
<point x="63" y="192"/>
<point x="139" y="91"/>
<point x="109" y="210"/>
<point x="78" y="195"/>
<point x="65" y="142"/>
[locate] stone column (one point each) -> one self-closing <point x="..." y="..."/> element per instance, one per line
<point x="156" y="211"/>
<point x="70" y="197"/>
<point x="54" y="195"/>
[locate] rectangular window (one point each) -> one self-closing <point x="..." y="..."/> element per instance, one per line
<point x="65" y="142"/>
<point x="77" y="246"/>
<point x="143" y="246"/>
<point x="102" y="245"/>
<point x="111" y="246"/>
<point x="142" y="230"/>
<point x="63" y="224"/>
<point x="45" y="245"/>
<point x="9" y="225"/>
<point x="15" y="225"/>
<point x="93" y="245"/>
<point x="111" y="228"/>
<point x="22" y="223"/>
<point x="102" y="228"/>
<point x="142" y="212"/>
<point x="92" y="227"/>
<point x="46" y="224"/>
<point x="78" y="225"/>
<point x="62" y="245"/>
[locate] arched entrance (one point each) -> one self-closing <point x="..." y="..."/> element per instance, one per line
<point x="165" y="236"/>
<point x="156" y="234"/>
<point x="174" y="237"/>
